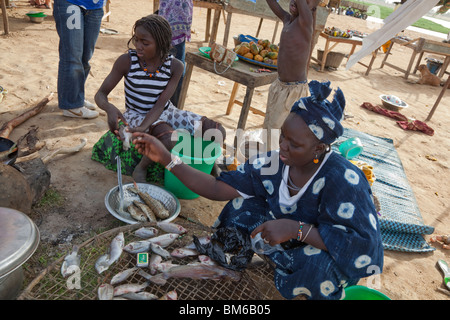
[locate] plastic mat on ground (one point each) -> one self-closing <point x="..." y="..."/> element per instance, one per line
<point x="402" y="225"/>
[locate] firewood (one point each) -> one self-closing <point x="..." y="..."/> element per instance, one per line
<point x="8" y="127"/>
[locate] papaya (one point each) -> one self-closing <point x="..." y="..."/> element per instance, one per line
<point x="236" y="49"/>
<point x="263" y="53"/>
<point x="258" y="58"/>
<point x="248" y="55"/>
<point x="272" y="55"/>
<point x="273" y="48"/>
<point x="254" y="49"/>
<point x="260" y="47"/>
<point x="274" y="62"/>
<point x="268" y="60"/>
<point x="265" y="43"/>
<point x="260" y="41"/>
<point x="243" y="50"/>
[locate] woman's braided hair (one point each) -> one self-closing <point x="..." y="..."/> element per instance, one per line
<point x="159" y="28"/>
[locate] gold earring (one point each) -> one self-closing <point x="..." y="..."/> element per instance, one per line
<point x="316" y="159"/>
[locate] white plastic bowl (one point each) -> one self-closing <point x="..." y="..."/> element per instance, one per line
<point x="392" y="102"/>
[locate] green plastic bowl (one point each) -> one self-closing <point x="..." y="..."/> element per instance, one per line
<point x="363" y="293"/>
<point x="36" y="14"/>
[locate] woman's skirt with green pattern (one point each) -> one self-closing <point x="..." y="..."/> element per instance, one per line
<point x="109" y="146"/>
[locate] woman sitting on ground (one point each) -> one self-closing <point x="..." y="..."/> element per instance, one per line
<point x="309" y="199"/>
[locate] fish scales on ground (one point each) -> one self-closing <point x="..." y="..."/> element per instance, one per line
<point x="71" y="262"/>
<point x="155" y="205"/>
<point x="114" y="253"/>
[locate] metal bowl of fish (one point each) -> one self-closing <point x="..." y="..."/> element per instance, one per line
<point x="137" y="202"/>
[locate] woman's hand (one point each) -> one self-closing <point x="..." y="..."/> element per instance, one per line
<point x="151" y="147"/>
<point x="277" y="231"/>
<point x="114" y="116"/>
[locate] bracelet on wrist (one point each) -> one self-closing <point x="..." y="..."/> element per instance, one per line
<point x="175" y="161"/>
<point x="300" y="231"/>
<point x="307" y="233"/>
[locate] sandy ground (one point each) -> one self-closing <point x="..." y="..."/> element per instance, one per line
<point x="28" y="70"/>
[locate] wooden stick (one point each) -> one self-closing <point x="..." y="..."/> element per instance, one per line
<point x="65" y="151"/>
<point x="8" y="127"/>
<point x="410" y="41"/>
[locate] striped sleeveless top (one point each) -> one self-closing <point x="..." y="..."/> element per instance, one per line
<point x="141" y="91"/>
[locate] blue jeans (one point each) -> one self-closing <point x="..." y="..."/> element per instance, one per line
<point x="78" y="31"/>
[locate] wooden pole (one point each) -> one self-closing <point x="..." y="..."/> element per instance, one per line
<point x="439" y="99"/>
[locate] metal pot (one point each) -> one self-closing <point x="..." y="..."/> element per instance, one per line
<point x="6" y="144"/>
<point x="19" y="238"/>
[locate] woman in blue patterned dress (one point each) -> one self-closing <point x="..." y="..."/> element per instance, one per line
<point x="306" y="197"/>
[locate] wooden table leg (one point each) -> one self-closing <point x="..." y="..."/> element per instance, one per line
<point x="185" y="85"/>
<point x="324" y="56"/>
<point x="411" y="61"/>
<point x="215" y="26"/>
<point x="386" y="55"/>
<point x="245" y="108"/>
<point x="275" y="31"/>
<point x="208" y="25"/>
<point x="447" y="83"/>
<point x="418" y="63"/>
<point x="227" y="29"/>
<point x="372" y="60"/>
<point x="444" y="66"/>
<point x="232" y="98"/>
<point x="5" y="17"/>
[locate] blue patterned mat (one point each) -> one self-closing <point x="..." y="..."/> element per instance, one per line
<point x="401" y="223"/>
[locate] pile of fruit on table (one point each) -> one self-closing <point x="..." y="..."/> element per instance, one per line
<point x="261" y="51"/>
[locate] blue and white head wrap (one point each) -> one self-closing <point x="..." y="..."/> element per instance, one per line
<point x="321" y="116"/>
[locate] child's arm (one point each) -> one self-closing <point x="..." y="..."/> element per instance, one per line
<point x="278" y="10"/>
<point x="306" y="10"/>
<point x="177" y="69"/>
<point x="118" y="71"/>
<point x="199" y="182"/>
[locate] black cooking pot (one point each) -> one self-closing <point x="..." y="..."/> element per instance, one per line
<point x="6" y="144"/>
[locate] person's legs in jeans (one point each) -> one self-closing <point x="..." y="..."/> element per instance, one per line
<point x="78" y="31"/>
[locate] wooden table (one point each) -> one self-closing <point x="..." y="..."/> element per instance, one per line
<point x="354" y="41"/>
<point x="3" y="5"/>
<point x="239" y="73"/>
<point x="211" y="32"/>
<point x="419" y="46"/>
